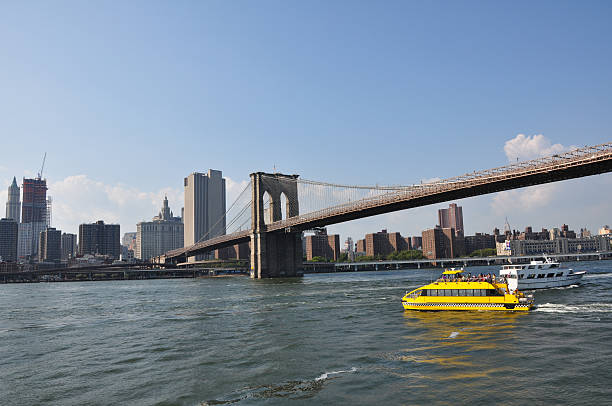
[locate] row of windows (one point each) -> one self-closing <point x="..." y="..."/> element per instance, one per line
<point x="542" y="275"/>
<point x="459" y="292"/>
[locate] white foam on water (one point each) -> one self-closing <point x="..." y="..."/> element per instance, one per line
<point x="597" y="275"/>
<point x="453" y="334"/>
<point x="566" y="287"/>
<point x="326" y="375"/>
<point x="582" y="308"/>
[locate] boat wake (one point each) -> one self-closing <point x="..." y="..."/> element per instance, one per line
<point x="598" y="275"/>
<point x="290" y="390"/>
<point x="565" y="287"/>
<point x="583" y="308"/>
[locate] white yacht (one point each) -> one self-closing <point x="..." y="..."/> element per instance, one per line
<point x="542" y="275"/>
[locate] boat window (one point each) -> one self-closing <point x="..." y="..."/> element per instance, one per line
<point x="469" y="292"/>
<point x="521" y="276"/>
<point x="550" y="275"/>
<point x="554" y="265"/>
<point x="559" y="274"/>
<point x="455" y="292"/>
<point x="541" y="275"/>
<point x="530" y="267"/>
<point x="423" y="292"/>
<point x="462" y="292"/>
<point x="531" y="276"/>
<point x="538" y="267"/>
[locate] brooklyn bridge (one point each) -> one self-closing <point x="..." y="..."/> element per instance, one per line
<point x="274" y="209"/>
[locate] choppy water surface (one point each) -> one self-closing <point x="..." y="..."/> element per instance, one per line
<point x="322" y="339"/>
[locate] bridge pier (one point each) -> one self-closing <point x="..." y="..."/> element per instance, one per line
<point x="275" y="255"/>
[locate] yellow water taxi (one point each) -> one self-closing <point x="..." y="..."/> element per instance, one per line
<point x="457" y="291"/>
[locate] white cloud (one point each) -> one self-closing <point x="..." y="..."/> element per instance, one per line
<point x="528" y="199"/>
<point x="529" y="147"/>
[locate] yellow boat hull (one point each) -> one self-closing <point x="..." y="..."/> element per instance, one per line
<point x="467" y="306"/>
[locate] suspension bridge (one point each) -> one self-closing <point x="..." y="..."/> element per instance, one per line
<point x="274" y="209"/>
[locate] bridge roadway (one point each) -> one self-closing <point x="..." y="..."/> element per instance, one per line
<point x="574" y="164"/>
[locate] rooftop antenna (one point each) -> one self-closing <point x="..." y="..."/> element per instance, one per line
<point x="42" y="167"/>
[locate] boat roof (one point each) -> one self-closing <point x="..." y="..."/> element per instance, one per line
<point x="452" y="271"/>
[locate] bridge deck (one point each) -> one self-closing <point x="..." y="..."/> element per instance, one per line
<point x="574" y="164"/>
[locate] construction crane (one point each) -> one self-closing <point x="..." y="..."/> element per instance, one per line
<point x="42" y="167"/>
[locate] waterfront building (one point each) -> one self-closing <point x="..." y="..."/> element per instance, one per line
<point x="529" y="234"/>
<point x="605" y="230"/>
<point x="559" y="245"/>
<point x="99" y="238"/>
<point x="384" y="243"/>
<point x="164" y="233"/>
<point x="50" y="245"/>
<point x="8" y="240"/>
<point x="451" y="218"/>
<point x="416" y="242"/>
<point x="478" y="241"/>
<point x="126" y="254"/>
<point x="360" y="247"/>
<point x="69" y="246"/>
<point x="323" y="245"/>
<point x="441" y="242"/>
<point x="13" y="204"/>
<point x="29" y="234"/>
<point x="204" y="211"/>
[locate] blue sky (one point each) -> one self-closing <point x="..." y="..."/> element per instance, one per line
<point x="127" y="98"/>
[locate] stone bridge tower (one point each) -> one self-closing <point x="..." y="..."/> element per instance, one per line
<point x="279" y="253"/>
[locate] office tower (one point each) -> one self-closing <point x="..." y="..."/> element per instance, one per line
<point x="451" y="218"/>
<point x="34" y="205"/>
<point x="204" y="214"/>
<point x="8" y="240"/>
<point x="159" y="236"/>
<point x="13" y="204"/>
<point x="50" y="245"/>
<point x="69" y="246"/>
<point x="29" y="234"/>
<point x="99" y="238"/>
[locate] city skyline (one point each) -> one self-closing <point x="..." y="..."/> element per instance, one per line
<point x="531" y="147"/>
<point x="398" y="93"/>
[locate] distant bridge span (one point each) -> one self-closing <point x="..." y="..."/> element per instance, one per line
<point x="574" y="164"/>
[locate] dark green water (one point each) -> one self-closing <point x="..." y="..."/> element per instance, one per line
<point x="322" y="339"/>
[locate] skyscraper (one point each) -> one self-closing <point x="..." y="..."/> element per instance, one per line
<point x="34" y="206"/>
<point x="156" y="237"/>
<point x="451" y="218"/>
<point x="204" y="215"/>
<point x="33" y="216"/>
<point x="8" y="240"/>
<point x="99" y="238"/>
<point x="69" y="246"/>
<point x="13" y="204"/>
<point x="50" y="245"/>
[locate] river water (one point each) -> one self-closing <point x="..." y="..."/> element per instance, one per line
<point x="323" y="339"/>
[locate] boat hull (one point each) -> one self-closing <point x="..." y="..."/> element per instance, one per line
<point x="553" y="282"/>
<point x="467" y="306"/>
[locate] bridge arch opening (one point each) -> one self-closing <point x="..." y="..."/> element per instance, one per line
<point x="267" y="205"/>
<point x="284" y="206"/>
